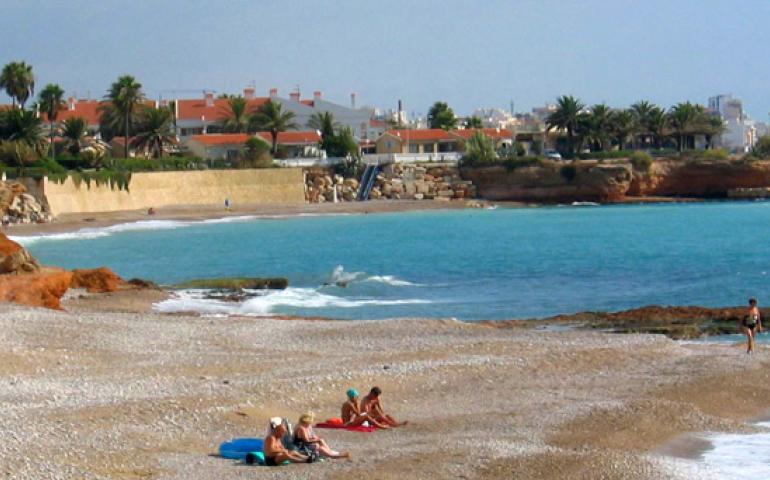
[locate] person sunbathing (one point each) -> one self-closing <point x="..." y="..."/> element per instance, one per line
<point x="352" y="415"/>
<point x="306" y="440"/>
<point x="372" y="406"/>
<point x="274" y="450"/>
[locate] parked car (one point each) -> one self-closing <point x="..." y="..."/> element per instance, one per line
<point x="552" y="155"/>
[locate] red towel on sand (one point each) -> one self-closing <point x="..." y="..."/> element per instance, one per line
<point x="359" y="428"/>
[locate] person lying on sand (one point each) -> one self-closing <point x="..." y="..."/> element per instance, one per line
<point x="274" y="451"/>
<point x="306" y="440"/>
<point x="371" y="405"/>
<point x="752" y="323"/>
<point x="352" y="415"/>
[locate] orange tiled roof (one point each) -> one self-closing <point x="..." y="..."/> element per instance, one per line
<point x="430" y="134"/>
<point x="221" y="139"/>
<point x="86" y="109"/>
<point x="492" y="133"/>
<point x="294" y="138"/>
<point x="195" y="109"/>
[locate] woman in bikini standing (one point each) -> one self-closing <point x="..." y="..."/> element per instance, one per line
<point x="752" y="324"/>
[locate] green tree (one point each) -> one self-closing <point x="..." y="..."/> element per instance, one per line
<point x="236" y="115"/>
<point x="474" y="122"/>
<point x="341" y="144"/>
<point x="642" y="110"/>
<point x="657" y="126"/>
<point x="270" y="117"/>
<point x="479" y="150"/>
<point x="19" y="154"/>
<point x="73" y="132"/>
<point x="441" y="115"/>
<point x="566" y="117"/>
<point x="711" y="126"/>
<point x="325" y="123"/>
<point x="597" y="123"/>
<point x="51" y="103"/>
<point x="762" y="147"/>
<point x="124" y="105"/>
<point x="683" y="119"/>
<point x="256" y="153"/>
<point x="155" y="130"/>
<point x="622" y="126"/>
<point x="18" y="81"/>
<point x="23" y="126"/>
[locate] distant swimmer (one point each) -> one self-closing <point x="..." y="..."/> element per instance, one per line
<point x="227" y="204"/>
<point x="751" y="325"/>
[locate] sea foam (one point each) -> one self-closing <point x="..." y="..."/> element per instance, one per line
<point x="269" y="303"/>
<point x="739" y="456"/>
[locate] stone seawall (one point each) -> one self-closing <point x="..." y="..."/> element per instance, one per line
<point x="158" y="189"/>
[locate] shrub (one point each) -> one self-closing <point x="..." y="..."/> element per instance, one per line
<point x="569" y="172"/>
<point x="605" y="155"/>
<point x="512" y="163"/>
<point x="350" y="167"/>
<point x="714" y="155"/>
<point x="762" y="147"/>
<point x="479" y="150"/>
<point x="641" y="161"/>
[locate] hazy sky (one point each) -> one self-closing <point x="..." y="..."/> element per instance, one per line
<point x="469" y="53"/>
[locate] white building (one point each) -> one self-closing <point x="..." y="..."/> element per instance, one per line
<point x="740" y="131"/>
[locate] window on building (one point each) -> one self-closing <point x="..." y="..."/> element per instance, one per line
<point x="414" y="148"/>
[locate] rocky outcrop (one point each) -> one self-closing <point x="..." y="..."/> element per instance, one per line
<point x="421" y="182"/>
<point x="18" y="206"/>
<point x="96" y="280"/>
<point x="394" y="182"/>
<point x="41" y="289"/>
<point x="278" y="283"/>
<point x="15" y="259"/>
<point x="703" y="179"/>
<point x="553" y="182"/>
<point x="674" y="322"/>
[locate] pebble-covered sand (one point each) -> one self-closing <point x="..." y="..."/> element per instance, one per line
<point x="98" y="395"/>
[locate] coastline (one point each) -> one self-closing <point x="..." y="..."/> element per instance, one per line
<point x="72" y="222"/>
<point x="152" y="395"/>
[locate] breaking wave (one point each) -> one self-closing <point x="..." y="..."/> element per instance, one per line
<point x="269" y="303"/>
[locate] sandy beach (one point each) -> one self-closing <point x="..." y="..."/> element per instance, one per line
<point x="106" y="394"/>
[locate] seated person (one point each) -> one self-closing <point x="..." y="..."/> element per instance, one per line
<point x="352" y="415"/>
<point x="372" y="406"/>
<point x="274" y="450"/>
<point x="306" y="439"/>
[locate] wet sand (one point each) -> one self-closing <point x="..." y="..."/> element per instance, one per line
<point x="110" y="393"/>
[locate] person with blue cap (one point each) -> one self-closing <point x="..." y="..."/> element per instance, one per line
<point x="351" y="412"/>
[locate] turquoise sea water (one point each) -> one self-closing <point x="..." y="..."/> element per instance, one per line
<point x="468" y="264"/>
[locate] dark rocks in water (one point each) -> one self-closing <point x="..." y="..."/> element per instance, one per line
<point x="146" y="284"/>
<point x="674" y="322"/>
<point x="278" y="283"/>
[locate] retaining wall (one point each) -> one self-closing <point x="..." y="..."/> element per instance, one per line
<point x="158" y="189"/>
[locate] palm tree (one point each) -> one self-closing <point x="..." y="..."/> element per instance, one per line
<point x="18" y="81"/>
<point x="566" y="117"/>
<point x="155" y="130"/>
<point x="597" y="127"/>
<point x="622" y="125"/>
<point x="124" y="105"/>
<point x="236" y="115"/>
<point x="474" y="122"/>
<point x="657" y="126"/>
<point x="270" y="117"/>
<point x="19" y="153"/>
<point x="24" y="126"/>
<point x="323" y="122"/>
<point x="51" y="102"/>
<point x="683" y="118"/>
<point x="74" y="130"/>
<point x="712" y="126"/>
<point x="642" y="111"/>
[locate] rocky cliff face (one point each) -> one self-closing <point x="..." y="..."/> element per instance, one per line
<point x="611" y="182"/>
<point x="24" y="281"/>
<point x="699" y="179"/>
<point x="553" y="182"/>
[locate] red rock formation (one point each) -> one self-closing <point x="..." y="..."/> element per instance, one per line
<point x="553" y="183"/>
<point x="96" y="280"/>
<point x="41" y="289"/>
<point x="14" y="258"/>
<point x="700" y="178"/>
